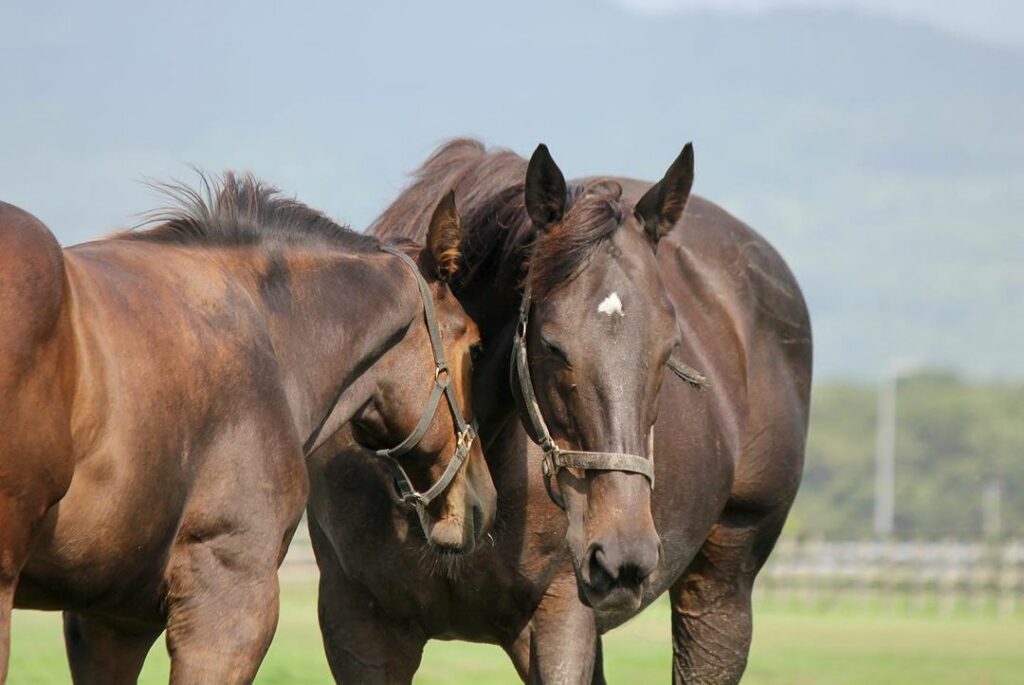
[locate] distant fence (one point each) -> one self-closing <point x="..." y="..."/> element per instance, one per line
<point x="938" y="577"/>
<point x="300" y="564"/>
<point x="944" y="577"/>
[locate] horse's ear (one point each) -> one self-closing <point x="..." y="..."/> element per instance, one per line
<point x="444" y="238"/>
<point x="661" y="206"/>
<point x="545" y="189"/>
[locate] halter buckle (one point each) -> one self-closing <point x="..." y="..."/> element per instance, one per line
<point x="466" y="437"/>
<point x="439" y="370"/>
<point x="414" y="499"/>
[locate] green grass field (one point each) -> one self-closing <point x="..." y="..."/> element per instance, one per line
<point x="792" y="647"/>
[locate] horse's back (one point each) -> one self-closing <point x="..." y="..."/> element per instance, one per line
<point x="764" y="289"/>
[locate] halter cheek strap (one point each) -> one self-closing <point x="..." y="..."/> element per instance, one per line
<point x="466" y="432"/>
<point x="554" y="456"/>
<point x="557" y="458"/>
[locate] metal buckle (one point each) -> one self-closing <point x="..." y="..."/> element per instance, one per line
<point x="414" y="499"/>
<point x="466" y="437"/>
<point x="438" y="370"/>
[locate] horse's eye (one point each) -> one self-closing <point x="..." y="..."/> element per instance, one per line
<point x="475" y="350"/>
<point x="555" y="351"/>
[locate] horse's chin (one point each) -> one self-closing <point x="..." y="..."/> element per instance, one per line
<point x="446" y="550"/>
<point x="450" y="538"/>
<point x="618" y="599"/>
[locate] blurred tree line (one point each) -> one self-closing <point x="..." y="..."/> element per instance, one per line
<point x="955" y="442"/>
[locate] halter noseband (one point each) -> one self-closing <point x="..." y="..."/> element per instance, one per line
<point x="406" y="493"/>
<point x="554" y="456"/>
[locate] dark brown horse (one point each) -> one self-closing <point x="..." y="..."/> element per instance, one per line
<point x="620" y="274"/>
<point x="159" y="391"/>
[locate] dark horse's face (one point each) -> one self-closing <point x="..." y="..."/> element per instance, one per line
<point x="601" y="331"/>
<point x="455" y="522"/>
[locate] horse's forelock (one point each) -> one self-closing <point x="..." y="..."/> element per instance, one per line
<point x="595" y="213"/>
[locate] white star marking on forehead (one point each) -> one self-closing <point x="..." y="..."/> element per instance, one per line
<point x="611" y="306"/>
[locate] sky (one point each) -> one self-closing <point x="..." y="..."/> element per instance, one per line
<point x="882" y="158"/>
<point x="999" y="22"/>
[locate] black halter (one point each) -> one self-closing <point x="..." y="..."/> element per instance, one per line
<point x="554" y="456"/>
<point x="406" y="493"/>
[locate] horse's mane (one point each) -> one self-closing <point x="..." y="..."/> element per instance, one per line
<point x="489" y="191"/>
<point x="239" y="209"/>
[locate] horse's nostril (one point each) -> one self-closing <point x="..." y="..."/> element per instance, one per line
<point x="601" y="578"/>
<point x="602" y="561"/>
<point x="631" y="575"/>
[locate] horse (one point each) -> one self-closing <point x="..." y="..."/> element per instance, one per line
<point x="160" y="390"/>
<point x="622" y="272"/>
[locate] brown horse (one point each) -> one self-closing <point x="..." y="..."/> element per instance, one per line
<point x="619" y="273"/>
<point x="159" y="391"/>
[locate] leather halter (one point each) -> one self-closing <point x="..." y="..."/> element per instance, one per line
<point x="554" y="456"/>
<point x="405" y="492"/>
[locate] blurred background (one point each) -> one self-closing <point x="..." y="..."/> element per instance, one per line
<point x="878" y="145"/>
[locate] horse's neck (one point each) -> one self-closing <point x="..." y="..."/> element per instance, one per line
<point x="341" y="313"/>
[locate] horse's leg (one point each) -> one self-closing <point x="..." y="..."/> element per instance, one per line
<point x="6" y="606"/>
<point x="222" y="615"/>
<point x="519" y="653"/>
<point x="26" y="492"/>
<point x="35" y="472"/>
<point x="15" y="538"/>
<point x="102" y="653"/>
<point x="221" y="580"/>
<point x="362" y="646"/>
<point x="14" y="543"/>
<point x="598" y="677"/>
<point x="563" y="637"/>
<point x="711" y="612"/>
<point x="222" y="588"/>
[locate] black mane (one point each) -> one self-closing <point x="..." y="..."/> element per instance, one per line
<point x="239" y="209"/>
<point x="489" y="190"/>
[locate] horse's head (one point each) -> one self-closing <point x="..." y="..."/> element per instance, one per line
<point x="420" y="417"/>
<point x="599" y="327"/>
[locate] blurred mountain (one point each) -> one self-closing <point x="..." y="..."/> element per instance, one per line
<point x="885" y="160"/>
